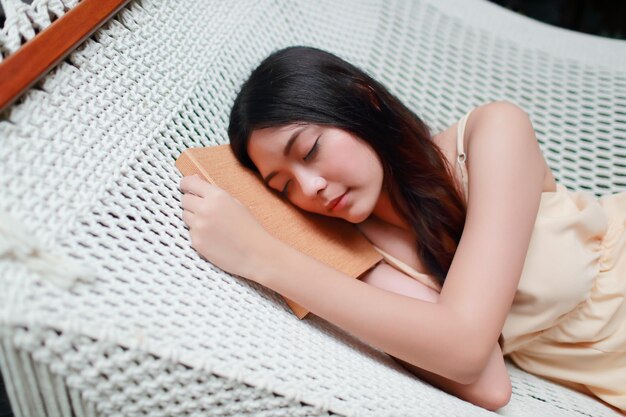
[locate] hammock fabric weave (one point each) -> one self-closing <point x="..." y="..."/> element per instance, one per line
<point x="106" y="310"/>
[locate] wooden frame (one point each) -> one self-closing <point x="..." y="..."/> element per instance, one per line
<point x="33" y="60"/>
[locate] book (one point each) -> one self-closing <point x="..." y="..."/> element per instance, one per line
<point x="333" y="241"/>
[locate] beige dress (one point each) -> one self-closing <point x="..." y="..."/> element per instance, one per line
<point x="568" y="318"/>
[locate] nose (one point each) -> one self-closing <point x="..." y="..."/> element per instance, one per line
<point x="311" y="184"/>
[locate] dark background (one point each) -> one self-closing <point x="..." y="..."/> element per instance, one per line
<point x="596" y="17"/>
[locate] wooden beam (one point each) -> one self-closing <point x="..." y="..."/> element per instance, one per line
<point x="35" y="58"/>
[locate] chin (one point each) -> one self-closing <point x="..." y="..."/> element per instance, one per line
<point x="356" y="215"/>
<point x="360" y="219"/>
<point x="356" y="218"/>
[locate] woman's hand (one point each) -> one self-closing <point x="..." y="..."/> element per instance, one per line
<point x="222" y="229"/>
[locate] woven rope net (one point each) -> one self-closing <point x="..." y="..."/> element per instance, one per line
<point x="105" y="309"/>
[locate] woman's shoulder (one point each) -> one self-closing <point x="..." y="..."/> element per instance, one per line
<point x="510" y="116"/>
<point x="502" y="111"/>
<point x="505" y="107"/>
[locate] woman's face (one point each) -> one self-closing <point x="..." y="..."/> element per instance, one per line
<point x="322" y="163"/>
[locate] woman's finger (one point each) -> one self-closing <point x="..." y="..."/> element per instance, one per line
<point x="193" y="184"/>
<point x="188" y="218"/>
<point x="191" y="202"/>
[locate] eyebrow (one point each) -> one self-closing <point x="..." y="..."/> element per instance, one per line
<point x="286" y="151"/>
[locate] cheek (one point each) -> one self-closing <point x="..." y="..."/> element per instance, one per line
<point x="353" y="164"/>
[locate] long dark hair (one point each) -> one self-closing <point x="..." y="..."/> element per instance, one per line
<point x="306" y="84"/>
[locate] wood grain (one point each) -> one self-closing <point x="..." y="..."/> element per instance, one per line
<point x="33" y="60"/>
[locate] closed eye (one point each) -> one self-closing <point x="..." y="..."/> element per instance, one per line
<point x="313" y="150"/>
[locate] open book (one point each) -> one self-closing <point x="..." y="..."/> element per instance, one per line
<point x="336" y="242"/>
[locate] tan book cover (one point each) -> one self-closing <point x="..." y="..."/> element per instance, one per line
<point x="336" y="242"/>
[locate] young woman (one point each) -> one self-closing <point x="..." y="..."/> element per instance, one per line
<point x="485" y="254"/>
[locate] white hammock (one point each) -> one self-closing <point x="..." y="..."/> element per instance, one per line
<point x="105" y="309"/>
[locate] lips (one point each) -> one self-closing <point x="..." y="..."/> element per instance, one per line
<point x="334" y="202"/>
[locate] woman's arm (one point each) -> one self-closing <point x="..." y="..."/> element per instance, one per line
<point x="454" y="337"/>
<point x="492" y="389"/>
<point x="393" y="323"/>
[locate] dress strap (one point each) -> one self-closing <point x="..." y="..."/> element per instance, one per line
<point x="461" y="155"/>
<point x="425" y="279"/>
